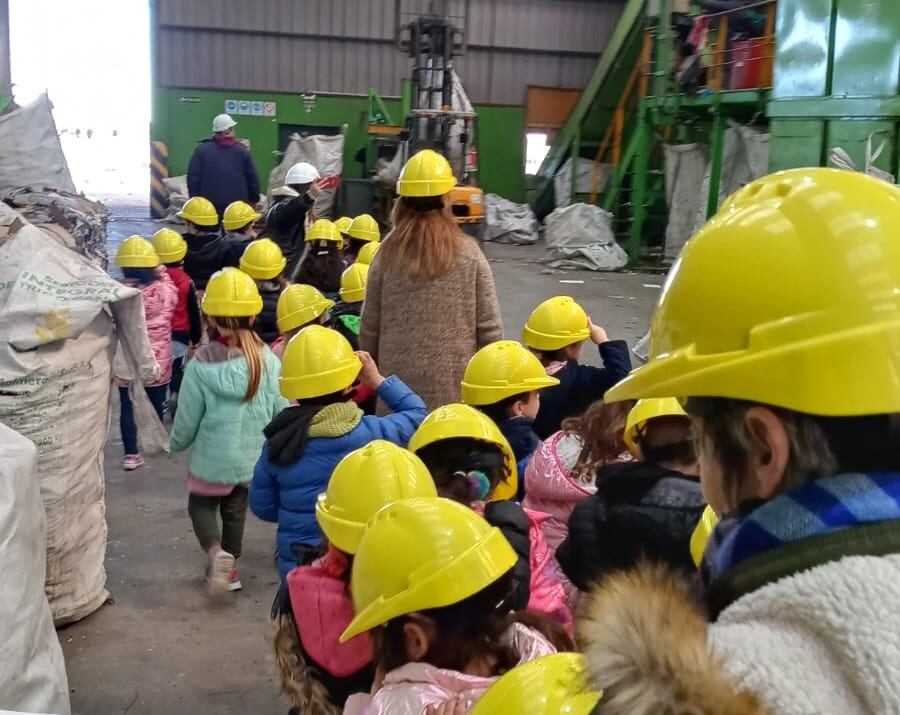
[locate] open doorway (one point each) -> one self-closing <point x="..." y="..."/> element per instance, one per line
<point x="92" y="57"/>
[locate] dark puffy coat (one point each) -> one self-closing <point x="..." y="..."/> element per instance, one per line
<point x="285" y="226"/>
<point x="639" y="510"/>
<point x="208" y="253"/>
<point x="580" y="386"/>
<point x="266" y="325"/>
<point x="223" y="174"/>
<point x="345" y="319"/>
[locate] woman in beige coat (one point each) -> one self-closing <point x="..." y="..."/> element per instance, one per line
<point x="430" y="298"/>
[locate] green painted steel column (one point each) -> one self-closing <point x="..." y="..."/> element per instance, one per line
<point x="639" y="186"/>
<point x="715" y="160"/>
<point x="662" y="49"/>
<point x="576" y="154"/>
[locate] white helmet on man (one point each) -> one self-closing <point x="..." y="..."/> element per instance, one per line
<point x="222" y="123"/>
<point x="301" y="173"/>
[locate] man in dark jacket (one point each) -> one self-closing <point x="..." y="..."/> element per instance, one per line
<point x="285" y="220"/>
<point x="221" y="168"/>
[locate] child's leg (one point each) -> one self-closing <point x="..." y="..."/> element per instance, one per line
<point x="126" y="423"/>
<point x="157" y="395"/>
<point x="177" y="374"/>
<point x="205" y="520"/>
<point x="234" y="513"/>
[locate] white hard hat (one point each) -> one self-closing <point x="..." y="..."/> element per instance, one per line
<point x="301" y="173"/>
<point x="222" y="123"/>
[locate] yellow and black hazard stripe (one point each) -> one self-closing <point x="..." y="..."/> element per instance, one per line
<point x="159" y="170"/>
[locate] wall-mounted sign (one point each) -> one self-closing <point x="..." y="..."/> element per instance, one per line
<point x="246" y="107"/>
<point x="231" y="106"/>
<point x="269" y="109"/>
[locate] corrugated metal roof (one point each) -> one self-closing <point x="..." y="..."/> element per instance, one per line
<point x="349" y="46"/>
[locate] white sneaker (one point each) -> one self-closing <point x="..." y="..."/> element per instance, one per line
<point x="219" y="579"/>
<point x="132" y="462"/>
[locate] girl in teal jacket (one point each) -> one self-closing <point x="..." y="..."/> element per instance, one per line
<point x="228" y="395"/>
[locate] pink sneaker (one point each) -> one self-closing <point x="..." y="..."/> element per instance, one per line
<point x="235" y="583"/>
<point x="132" y="462"/>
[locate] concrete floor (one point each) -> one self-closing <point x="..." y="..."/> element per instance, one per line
<point x="159" y="645"/>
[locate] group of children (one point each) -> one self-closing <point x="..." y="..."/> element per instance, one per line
<point x="456" y="579"/>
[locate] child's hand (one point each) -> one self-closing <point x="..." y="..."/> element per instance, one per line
<point x="457" y="706"/>
<point x="598" y="334"/>
<point x="369" y="375"/>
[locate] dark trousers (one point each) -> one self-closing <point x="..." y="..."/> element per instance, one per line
<point x="157" y="395"/>
<point x="177" y="374"/>
<point x="205" y="512"/>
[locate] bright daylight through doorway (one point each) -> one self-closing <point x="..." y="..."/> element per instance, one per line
<point x="93" y="59"/>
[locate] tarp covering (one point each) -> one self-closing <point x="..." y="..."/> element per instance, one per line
<point x="508" y="222"/>
<point x="326" y="153"/>
<point x="61" y="317"/>
<point x="562" y="182"/>
<point x="30" y="151"/>
<point x="33" y="675"/>
<point x="580" y="236"/>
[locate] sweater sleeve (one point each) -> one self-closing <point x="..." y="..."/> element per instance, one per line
<point x="489" y="325"/>
<point x="595" y="381"/>
<point x="408" y="408"/>
<point x="264" y="501"/>
<point x="195" y="334"/>
<point x="191" y="408"/>
<point x="370" y="320"/>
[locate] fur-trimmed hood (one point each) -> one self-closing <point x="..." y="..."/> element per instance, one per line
<point x="645" y="640"/>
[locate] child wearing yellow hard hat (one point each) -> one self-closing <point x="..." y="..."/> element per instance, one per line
<point x="299" y="305"/>
<point x="647" y="508"/>
<point x="239" y="226"/>
<point x="362" y="231"/>
<point x="263" y="261"/>
<point x="306" y="441"/>
<point x="472" y="463"/>
<point x="187" y="323"/>
<point x="555" y="332"/>
<point x="140" y="267"/>
<point x="313" y="606"/>
<point x="207" y="251"/>
<point x="504" y="380"/>
<point x="321" y="263"/>
<point x="229" y="393"/>
<point x="343" y="226"/>
<point x="433" y="582"/>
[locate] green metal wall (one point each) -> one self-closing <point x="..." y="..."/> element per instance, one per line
<point x="837" y="78"/>
<point x="182" y="117"/>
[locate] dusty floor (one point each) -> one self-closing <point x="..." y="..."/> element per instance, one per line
<point x="159" y="646"/>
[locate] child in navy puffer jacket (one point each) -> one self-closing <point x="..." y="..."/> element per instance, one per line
<point x="306" y="441"/>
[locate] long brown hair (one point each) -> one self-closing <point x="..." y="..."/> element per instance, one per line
<point x="425" y="241"/>
<point x="601" y="429"/>
<point x="474" y="627"/>
<point x="240" y="331"/>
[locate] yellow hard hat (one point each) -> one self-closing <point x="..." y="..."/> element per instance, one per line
<point x="644" y="411"/>
<point x="343" y="223"/>
<point x="500" y="370"/>
<point x="298" y="305"/>
<point x="556" y="323"/>
<point x="362" y="483"/>
<point x="231" y="293"/>
<point x="317" y="361"/>
<point x="353" y="283"/>
<point x="238" y="214"/>
<point x="789" y="296"/>
<point x="199" y="211"/>
<point x="136" y="252"/>
<point x="457" y="421"/>
<point x="551" y="685"/>
<point x="418" y="554"/>
<point x="367" y="253"/>
<point x="263" y="259"/>
<point x="427" y="173"/>
<point x="704" y="530"/>
<point x="169" y="245"/>
<point x="365" y="228"/>
<point x="323" y="230"/>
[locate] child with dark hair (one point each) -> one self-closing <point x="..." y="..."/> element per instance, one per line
<point x="306" y="441"/>
<point x="321" y="263"/>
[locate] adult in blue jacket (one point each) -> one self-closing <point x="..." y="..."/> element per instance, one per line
<point x="306" y="441"/>
<point x="221" y="168"/>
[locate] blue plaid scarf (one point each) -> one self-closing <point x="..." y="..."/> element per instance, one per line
<point x="819" y="507"/>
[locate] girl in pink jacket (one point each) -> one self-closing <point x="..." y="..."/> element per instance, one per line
<point x="433" y="583"/>
<point x="472" y="463"/>
<point x="141" y="269"/>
